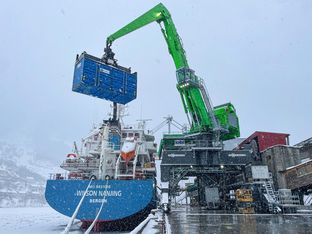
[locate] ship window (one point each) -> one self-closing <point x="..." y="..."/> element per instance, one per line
<point x="137" y="134"/>
<point x="130" y="134"/>
<point x="124" y="135"/>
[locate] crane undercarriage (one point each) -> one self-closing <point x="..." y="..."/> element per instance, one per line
<point x="195" y="156"/>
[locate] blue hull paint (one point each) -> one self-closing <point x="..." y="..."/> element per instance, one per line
<point x="124" y="198"/>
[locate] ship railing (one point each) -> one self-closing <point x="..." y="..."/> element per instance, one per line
<point x="205" y="143"/>
<point x="114" y="146"/>
<point x="167" y="133"/>
<point x="110" y="145"/>
<point x="96" y="149"/>
<point x="69" y="176"/>
<point x="195" y="145"/>
<point x="58" y="176"/>
<point x="75" y="164"/>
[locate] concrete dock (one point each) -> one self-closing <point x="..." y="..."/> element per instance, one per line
<point x="188" y="219"/>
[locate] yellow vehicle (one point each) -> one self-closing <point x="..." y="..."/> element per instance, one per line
<point x="244" y="201"/>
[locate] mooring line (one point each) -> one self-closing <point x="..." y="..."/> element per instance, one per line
<point x="71" y="221"/>
<point x="98" y="214"/>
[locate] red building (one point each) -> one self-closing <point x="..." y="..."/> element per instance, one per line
<point x="260" y="141"/>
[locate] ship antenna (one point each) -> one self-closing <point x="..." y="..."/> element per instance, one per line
<point x="142" y="123"/>
<point x="122" y="112"/>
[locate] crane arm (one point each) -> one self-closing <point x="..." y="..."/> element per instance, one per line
<point x="161" y="15"/>
<point x="196" y="102"/>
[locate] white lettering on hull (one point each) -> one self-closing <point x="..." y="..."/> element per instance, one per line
<point x="98" y="200"/>
<point x="95" y="193"/>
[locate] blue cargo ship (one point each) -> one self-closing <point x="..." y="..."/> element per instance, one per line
<point x="125" y="188"/>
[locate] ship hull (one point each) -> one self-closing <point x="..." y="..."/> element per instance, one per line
<point x="126" y="202"/>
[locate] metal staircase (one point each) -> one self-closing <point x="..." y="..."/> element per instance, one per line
<point x="178" y="175"/>
<point x="269" y="189"/>
<point x="208" y="104"/>
<point x="216" y="126"/>
<point x="271" y="197"/>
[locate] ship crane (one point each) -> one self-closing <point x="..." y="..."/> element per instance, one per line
<point x="168" y="121"/>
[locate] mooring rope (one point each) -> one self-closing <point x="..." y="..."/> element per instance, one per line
<point x="71" y="221"/>
<point x="98" y="214"/>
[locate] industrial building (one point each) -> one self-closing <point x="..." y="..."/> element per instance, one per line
<point x="289" y="166"/>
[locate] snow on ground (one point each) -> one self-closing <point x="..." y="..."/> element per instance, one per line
<point x="33" y="220"/>
<point x="44" y="220"/>
<point x="151" y="227"/>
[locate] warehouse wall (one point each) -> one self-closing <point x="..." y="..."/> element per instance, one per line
<point x="278" y="158"/>
<point x="306" y="151"/>
<point x="299" y="176"/>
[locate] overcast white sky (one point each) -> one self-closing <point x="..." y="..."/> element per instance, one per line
<point x="256" y="54"/>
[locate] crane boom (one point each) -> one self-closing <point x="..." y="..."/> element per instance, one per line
<point x="195" y="98"/>
<point x="159" y="14"/>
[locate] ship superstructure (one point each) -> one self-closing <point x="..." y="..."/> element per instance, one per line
<point x="112" y="151"/>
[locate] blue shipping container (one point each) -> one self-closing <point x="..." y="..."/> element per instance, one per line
<point x="95" y="78"/>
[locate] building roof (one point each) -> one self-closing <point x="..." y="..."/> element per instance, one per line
<point x="266" y="139"/>
<point x="279" y="145"/>
<point x="298" y="165"/>
<point x="302" y="143"/>
<point x="232" y="144"/>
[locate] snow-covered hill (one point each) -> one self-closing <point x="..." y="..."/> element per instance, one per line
<point x="23" y="176"/>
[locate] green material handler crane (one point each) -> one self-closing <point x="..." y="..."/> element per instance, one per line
<point x="202" y="116"/>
